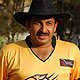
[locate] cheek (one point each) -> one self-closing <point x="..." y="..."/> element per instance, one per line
<point x="34" y="29"/>
<point x="51" y="30"/>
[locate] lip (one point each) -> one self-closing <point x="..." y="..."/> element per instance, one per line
<point x="42" y="37"/>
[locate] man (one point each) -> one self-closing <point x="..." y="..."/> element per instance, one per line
<point x="40" y="56"/>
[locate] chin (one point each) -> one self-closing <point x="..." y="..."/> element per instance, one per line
<point x="43" y="42"/>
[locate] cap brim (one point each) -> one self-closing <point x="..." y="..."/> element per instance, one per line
<point x="21" y="17"/>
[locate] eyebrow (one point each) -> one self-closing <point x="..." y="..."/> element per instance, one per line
<point x="35" y="19"/>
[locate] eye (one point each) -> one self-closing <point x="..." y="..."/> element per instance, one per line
<point x="49" y="23"/>
<point x="36" y="23"/>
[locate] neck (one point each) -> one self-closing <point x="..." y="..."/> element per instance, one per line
<point x="45" y="45"/>
<point x="43" y="51"/>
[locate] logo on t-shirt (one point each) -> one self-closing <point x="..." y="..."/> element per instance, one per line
<point x="43" y="77"/>
<point x="66" y="62"/>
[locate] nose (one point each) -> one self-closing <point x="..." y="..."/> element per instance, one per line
<point x="43" y="28"/>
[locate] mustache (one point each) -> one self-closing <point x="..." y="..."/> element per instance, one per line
<point x="42" y="33"/>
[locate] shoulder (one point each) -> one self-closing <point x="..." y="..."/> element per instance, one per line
<point x="66" y="44"/>
<point x="67" y="47"/>
<point x="13" y="50"/>
<point x="14" y="46"/>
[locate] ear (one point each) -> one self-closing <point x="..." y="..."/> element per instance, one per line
<point x="55" y="26"/>
<point x="27" y="24"/>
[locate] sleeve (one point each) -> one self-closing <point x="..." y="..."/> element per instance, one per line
<point x="2" y="66"/>
<point x="78" y="67"/>
<point x="75" y="74"/>
<point x="9" y="62"/>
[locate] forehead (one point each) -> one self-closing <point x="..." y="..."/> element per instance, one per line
<point x="38" y="18"/>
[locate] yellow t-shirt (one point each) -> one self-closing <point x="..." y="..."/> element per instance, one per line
<point x="18" y="62"/>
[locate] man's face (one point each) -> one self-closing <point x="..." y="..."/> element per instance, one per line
<point x="41" y="30"/>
